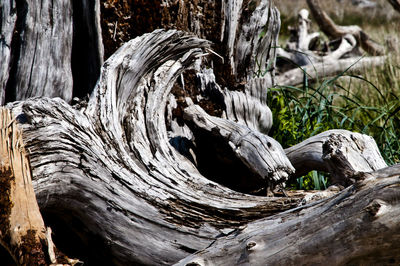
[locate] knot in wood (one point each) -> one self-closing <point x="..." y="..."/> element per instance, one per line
<point x="250" y="245"/>
<point x="375" y="207"/>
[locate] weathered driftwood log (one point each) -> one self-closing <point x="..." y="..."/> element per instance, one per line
<point x="299" y="60"/>
<point x="22" y="230"/>
<point x="298" y="50"/>
<point x="139" y="181"/>
<point x="320" y="233"/>
<point x="107" y="169"/>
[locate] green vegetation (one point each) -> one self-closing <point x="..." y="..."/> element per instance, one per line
<point x="366" y="102"/>
<point x="345" y="101"/>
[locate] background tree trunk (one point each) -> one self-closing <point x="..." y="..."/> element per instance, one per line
<point x="48" y="48"/>
<point x="128" y="177"/>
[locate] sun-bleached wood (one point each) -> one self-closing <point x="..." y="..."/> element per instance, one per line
<point x="315" y="65"/>
<point x="22" y="231"/>
<point x="48" y="46"/>
<point x="140" y="187"/>
<point x="105" y="169"/>
<point x="135" y="167"/>
<point x="356" y="226"/>
<point x="314" y="71"/>
<point x="260" y="153"/>
<point x="248" y="107"/>
<point x="328" y="26"/>
<point x="299" y="51"/>
<point x="338" y="152"/>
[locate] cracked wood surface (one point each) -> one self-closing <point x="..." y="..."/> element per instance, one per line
<point x="140" y="182"/>
<point x="49" y="47"/>
<point x="338" y="152"/>
<point x="106" y="172"/>
<point x="22" y="230"/>
<point x="354" y="227"/>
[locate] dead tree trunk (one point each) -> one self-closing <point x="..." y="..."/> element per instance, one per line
<point x="49" y="48"/>
<point x="145" y="173"/>
<point x="22" y="230"/>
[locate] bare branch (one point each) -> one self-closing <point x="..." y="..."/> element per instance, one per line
<point x="332" y="30"/>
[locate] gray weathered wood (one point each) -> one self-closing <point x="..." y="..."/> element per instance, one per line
<point x="110" y="166"/>
<point x="105" y="171"/>
<point x="328" y="26"/>
<point x="339" y="152"/>
<point x="113" y="158"/>
<point x="314" y="71"/>
<point x="8" y="16"/>
<point x="355" y="227"/>
<point x="40" y="50"/>
<point x="316" y="65"/>
<point x="46" y="46"/>
<point x="260" y="153"/>
<point x="22" y="230"/>
<point x="248" y="107"/>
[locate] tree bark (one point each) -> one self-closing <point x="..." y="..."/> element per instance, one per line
<point x="123" y="179"/>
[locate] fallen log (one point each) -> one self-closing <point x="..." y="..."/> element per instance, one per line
<point x="299" y="61"/>
<point x="339" y="152"/>
<point x="316" y="71"/>
<point x="321" y="232"/>
<point x="140" y="183"/>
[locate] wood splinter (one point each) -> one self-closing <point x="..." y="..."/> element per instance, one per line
<point x="22" y="230"/>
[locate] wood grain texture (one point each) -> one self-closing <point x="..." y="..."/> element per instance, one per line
<point x="46" y="46"/>
<point x="354" y="227"/>
<point x="22" y="230"/>
<point x="106" y="172"/>
<point x="139" y="181"/>
<point x="147" y="202"/>
<point x="296" y="76"/>
<point x="260" y="153"/>
<point x="8" y="17"/>
<point x="339" y="152"/>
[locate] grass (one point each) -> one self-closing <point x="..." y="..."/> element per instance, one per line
<point x="367" y="102"/>
<point x="375" y="21"/>
<point x="346" y="101"/>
